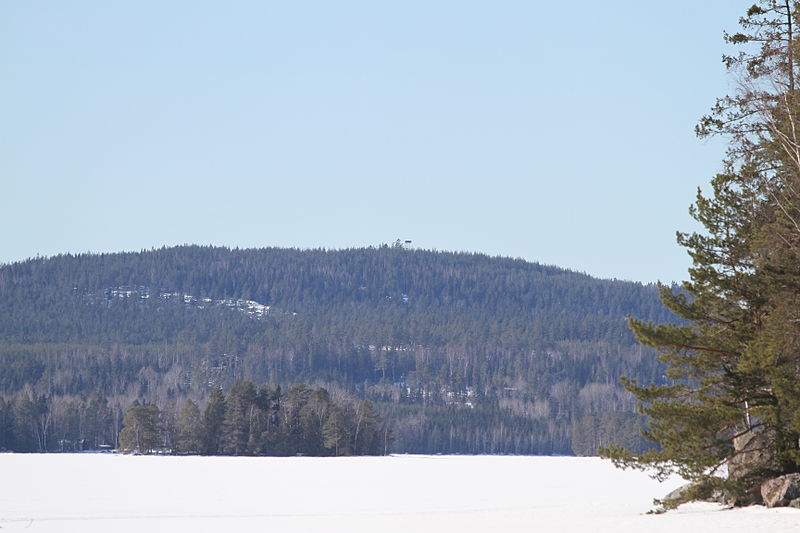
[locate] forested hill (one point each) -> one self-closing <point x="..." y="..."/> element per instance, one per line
<point x="461" y="353"/>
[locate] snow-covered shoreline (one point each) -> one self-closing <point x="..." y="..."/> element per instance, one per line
<point x="104" y="492"/>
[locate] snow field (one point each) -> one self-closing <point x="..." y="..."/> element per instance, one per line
<point x="116" y="493"/>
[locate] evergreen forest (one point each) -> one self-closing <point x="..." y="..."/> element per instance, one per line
<point x="453" y="352"/>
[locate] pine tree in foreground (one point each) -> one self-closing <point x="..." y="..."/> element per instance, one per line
<point x="732" y="401"/>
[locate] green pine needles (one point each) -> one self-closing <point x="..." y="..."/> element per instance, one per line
<point x="729" y="415"/>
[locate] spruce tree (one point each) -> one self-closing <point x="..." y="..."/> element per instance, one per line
<point x="367" y="431"/>
<point x="141" y="429"/>
<point x="213" y="420"/>
<point x="189" y="438"/>
<point x="240" y="409"/>
<point x="312" y="419"/>
<point x="732" y="363"/>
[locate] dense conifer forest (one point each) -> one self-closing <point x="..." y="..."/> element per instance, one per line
<point x="455" y="352"/>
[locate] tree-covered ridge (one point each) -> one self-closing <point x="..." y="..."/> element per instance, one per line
<point x="460" y="352"/>
<point x="394" y="281"/>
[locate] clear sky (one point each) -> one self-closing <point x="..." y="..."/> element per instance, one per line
<point x="559" y="132"/>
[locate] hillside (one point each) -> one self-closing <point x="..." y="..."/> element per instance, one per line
<point x="461" y="353"/>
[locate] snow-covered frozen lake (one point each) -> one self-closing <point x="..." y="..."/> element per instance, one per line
<point x="115" y="493"/>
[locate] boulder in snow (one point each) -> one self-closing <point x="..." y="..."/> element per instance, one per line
<point x="781" y="491"/>
<point x="682" y="492"/>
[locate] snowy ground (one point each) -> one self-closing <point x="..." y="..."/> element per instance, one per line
<point x="114" y="493"/>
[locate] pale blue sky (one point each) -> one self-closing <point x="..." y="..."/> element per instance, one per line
<point x="559" y="132"/>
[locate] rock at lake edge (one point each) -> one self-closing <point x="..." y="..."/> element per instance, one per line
<point x="781" y="491"/>
<point x="676" y="494"/>
<point x="754" y="451"/>
<point x="681" y="492"/>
